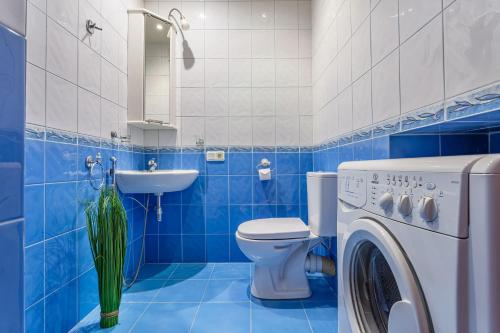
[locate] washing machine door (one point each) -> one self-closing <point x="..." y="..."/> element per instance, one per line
<point x="382" y="292"/>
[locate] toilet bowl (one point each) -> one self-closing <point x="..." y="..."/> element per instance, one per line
<point x="279" y="246"/>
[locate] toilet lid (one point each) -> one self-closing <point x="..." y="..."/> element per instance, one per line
<point x="278" y="228"/>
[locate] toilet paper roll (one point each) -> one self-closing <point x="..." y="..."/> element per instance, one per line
<point x="265" y="174"/>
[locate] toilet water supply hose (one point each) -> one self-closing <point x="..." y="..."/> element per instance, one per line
<point x="320" y="264"/>
<point x="126" y="284"/>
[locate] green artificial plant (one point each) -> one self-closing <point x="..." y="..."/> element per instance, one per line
<point x="107" y="231"/>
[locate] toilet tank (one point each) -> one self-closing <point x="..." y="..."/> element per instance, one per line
<point x="322" y="203"/>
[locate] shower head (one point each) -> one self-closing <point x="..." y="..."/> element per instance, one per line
<point x="184" y="24"/>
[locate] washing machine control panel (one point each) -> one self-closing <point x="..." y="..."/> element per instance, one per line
<point x="435" y="201"/>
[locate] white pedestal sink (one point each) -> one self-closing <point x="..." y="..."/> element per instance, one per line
<point x="156" y="182"/>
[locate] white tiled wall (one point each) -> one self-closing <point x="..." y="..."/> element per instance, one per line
<point x="13" y="15"/>
<point x="77" y="82"/>
<point x="245" y="78"/>
<point x="374" y="60"/>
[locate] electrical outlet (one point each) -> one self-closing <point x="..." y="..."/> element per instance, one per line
<point x="216" y="156"/>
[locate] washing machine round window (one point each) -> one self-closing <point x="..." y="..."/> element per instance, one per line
<point x="382" y="292"/>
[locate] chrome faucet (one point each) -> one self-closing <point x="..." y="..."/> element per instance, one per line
<point x="152" y="165"/>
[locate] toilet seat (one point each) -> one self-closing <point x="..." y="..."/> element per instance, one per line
<point x="274" y="229"/>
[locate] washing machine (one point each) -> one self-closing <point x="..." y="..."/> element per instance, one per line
<point x="419" y="245"/>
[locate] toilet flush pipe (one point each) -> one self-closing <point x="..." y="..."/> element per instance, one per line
<point x="320" y="264"/>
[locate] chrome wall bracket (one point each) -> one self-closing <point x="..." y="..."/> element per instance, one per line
<point x="91" y="163"/>
<point x="92" y="27"/>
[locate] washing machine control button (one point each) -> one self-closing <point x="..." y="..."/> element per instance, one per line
<point x="404" y="205"/>
<point x="385" y="201"/>
<point x="428" y="209"/>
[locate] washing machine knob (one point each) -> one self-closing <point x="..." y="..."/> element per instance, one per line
<point x="404" y="205"/>
<point x="385" y="201"/>
<point x="428" y="209"/>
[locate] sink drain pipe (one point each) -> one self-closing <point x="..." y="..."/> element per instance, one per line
<point x="320" y="264"/>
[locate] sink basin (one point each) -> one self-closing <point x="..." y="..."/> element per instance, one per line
<point x="159" y="181"/>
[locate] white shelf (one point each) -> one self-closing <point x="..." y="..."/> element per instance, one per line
<point x="151" y="125"/>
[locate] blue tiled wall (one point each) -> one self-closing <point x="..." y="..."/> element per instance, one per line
<point x="12" y="105"/>
<point x="60" y="281"/>
<point x="199" y="223"/>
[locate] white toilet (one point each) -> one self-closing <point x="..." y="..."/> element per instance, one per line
<point x="279" y="246"/>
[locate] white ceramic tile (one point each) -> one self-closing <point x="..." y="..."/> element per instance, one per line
<point x="287" y="72"/>
<point x="263" y="101"/>
<point x="360" y="9"/>
<point x="122" y="89"/>
<point x="195" y="12"/>
<point x="194" y="46"/>
<point x="240" y="15"/>
<point x="193" y="76"/>
<point x="385" y="89"/>
<point x="287" y="131"/>
<point x="61" y="102"/>
<point x="40" y="4"/>
<point x="64" y="12"/>
<point x="89" y="113"/>
<point x="306" y="131"/>
<point x="422" y="68"/>
<point x="264" y="131"/>
<point x="263" y="14"/>
<point x="287" y="101"/>
<point x="240" y="131"/>
<point x="305" y="73"/>
<point x="35" y="95"/>
<point x="472" y="45"/>
<point x="164" y="7"/>
<point x="305" y="14"/>
<point x="330" y="120"/>
<point x="167" y="138"/>
<point x="13" y="15"/>
<point x="216" y="16"/>
<point x="217" y="131"/>
<point x="151" y="138"/>
<point x="344" y="67"/>
<point x="193" y="128"/>
<point x="109" y="81"/>
<point x="193" y="102"/>
<point x="62" y="52"/>
<point x="36" y="29"/>
<point x="240" y="101"/>
<point x="109" y="43"/>
<point x="240" y="73"/>
<point x="89" y="71"/>
<point x="216" y="101"/>
<point x="362" y="103"/>
<point x="87" y="11"/>
<point x="384" y="26"/>
<point x="361" y="57"/>
<point x="344" y="102"/>
<point x="216" y="73"/>
<point x="287" y="43"/>
<point x="305" y="44"/>
<point x="305" y="101"/>
<point x="240" y="44"/>
<point x="263" y="44"/>
<point x="414" y="14"/>
<point x="109" y="118"/>
<point x="263" y="73"/>
<point x="286" y="14"/>
<point x="152" y="6"/>
<point x="216" y="44"/>
<point x="137" y="136"/>
<point x="344" y="24"/>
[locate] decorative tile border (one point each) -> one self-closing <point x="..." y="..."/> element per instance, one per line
<point x="479" y="101"/>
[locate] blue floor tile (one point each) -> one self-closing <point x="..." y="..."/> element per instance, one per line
<point x="192" y="271"/>
<point x="322" y="316"/>
<point x="143" y="291"/>
<point x="157" y="271"/>
<point x="182" y="291"/>
<point x="129" y="313"/>
<point x="231" y="271"/>
<point x="321" y="291"/>
<point x="278" y="317"/>
<point x="227" y="291"/>
<point x="167" y="318"/>
<point x="222" y="317"/>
